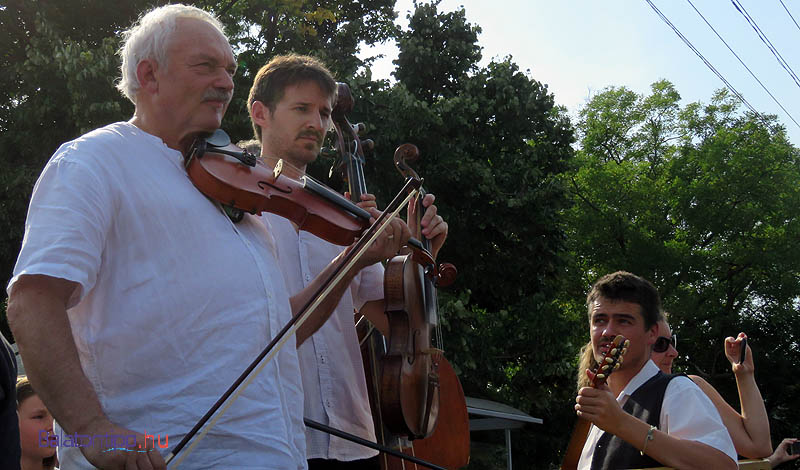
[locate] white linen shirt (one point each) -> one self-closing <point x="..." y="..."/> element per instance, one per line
<point x="686" y="413"/>
<point x="330" y="360"/>
<point x="174" y="300"/>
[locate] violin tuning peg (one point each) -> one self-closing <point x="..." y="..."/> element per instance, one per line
<point x="369" y="145"/>
<point x="359" y="128"/>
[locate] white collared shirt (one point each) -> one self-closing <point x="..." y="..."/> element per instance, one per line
<point x="330" y="360"/>
<point x="174" y="300"/>
<point x="686" y="413"/>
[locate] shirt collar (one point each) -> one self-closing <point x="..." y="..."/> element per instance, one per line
<point x="645" y="373"/>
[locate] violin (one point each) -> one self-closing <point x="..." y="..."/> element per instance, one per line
<point x="443" y="421"/>
<point x="410" y="378"/>
<point x="236" y="178"/>
<point x="218" y="180"/>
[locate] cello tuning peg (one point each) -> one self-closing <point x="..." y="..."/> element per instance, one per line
<point x="359" y="128"/>
<point x="368" y="144"/>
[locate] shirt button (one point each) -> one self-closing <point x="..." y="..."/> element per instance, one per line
<point x="308" y="277"/>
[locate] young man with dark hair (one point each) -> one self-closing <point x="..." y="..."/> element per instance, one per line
<point x="642" y="417"/>
<point x="290" y="106"/>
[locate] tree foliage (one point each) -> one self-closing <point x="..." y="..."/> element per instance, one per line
<point x="492" y="143"/>
<point x="703" y="201"/>
<point x="437" y="53"/>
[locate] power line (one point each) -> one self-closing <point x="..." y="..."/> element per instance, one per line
<point x="708" y="64"/>
<point x="745" y="65"/>
<point x="790" y="14"/>
<point x="766" y="41"/>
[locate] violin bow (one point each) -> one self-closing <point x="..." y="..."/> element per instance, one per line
<point x="251" y="372"/>
<point x="372" y="445"/>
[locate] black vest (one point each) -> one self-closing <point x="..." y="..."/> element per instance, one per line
<point x="612" y="452"/>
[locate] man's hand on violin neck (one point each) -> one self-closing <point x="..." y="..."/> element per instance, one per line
<point x="367" y="201"/>
<point x="434" y="228"/>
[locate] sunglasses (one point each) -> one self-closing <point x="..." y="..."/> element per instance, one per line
<point x="663" y="343"/>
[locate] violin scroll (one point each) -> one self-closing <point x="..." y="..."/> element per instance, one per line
<point x="404" y="153"/>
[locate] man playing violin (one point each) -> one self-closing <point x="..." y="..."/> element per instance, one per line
<point x="290" y="106"/>
<point x="642" y="417"/>
<point x="136" y="301"/>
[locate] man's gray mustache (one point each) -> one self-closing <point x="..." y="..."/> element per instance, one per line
<point x="213" y="95"/>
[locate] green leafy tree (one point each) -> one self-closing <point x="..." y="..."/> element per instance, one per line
<point x="492" y="143"/>
<point x="703" y="201"/>
<point x="437" y="53"/>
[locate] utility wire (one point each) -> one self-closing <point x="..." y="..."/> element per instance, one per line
<point x="743" y="64"/>
<point x="708" y="64"/>
<point x="790" y="14"/>
<point x="766" y="41"/>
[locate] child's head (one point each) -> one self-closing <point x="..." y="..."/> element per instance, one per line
<point x="33" y="419"/>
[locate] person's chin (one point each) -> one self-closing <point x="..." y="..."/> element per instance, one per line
<point x="310" y="145"/>
<point x="210" y="123"/>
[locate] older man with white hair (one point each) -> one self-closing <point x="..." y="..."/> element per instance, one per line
<point x="136" y="301"/>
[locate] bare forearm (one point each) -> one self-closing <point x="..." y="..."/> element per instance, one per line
<point x="44" y="337"/>
<point x="671" y="451"/>
<point x="375" y="311"/>
<point x="328" y="304"/>
<point x="754" y="417"/>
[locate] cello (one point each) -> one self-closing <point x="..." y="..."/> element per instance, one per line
<point x="414" y="392"/>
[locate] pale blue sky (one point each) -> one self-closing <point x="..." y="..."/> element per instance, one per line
<point x="579" y="47"/>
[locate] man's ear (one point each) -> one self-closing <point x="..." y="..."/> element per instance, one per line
<point x="146" y="73"/>
<point x="652" y="334"/>
<point x="260" y="114"/>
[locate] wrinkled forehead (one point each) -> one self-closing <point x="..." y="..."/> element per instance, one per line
<point x="192" y="35"/>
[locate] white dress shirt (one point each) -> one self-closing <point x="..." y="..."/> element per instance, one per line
<point x="686" y="413"/>
<point x="174" y="300"/>
<point x="330" y="360"/>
